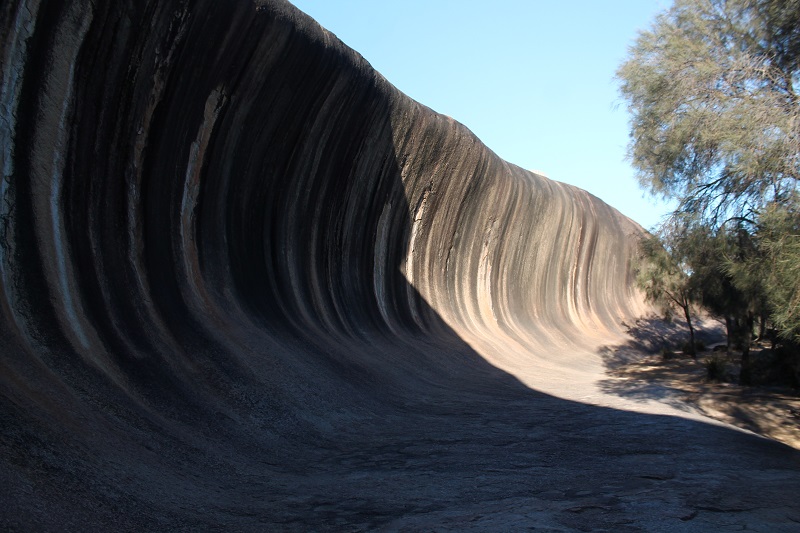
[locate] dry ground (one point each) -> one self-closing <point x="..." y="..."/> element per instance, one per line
<point x="680" y="381"/>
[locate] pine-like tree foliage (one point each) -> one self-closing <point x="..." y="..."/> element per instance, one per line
<point x="777" y="267"/>
<point x="711" y="88"/>
<point x="666" y="282"/>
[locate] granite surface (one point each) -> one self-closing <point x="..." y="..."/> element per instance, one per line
<point x="248" y="285"/>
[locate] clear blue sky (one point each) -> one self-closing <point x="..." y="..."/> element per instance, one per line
<point x="533" y="79"/>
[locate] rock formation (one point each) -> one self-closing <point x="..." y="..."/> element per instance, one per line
<point x="245" y="282"/>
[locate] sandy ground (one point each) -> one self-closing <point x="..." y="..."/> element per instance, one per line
<point x="681" y="382"/>
<point x="636" y="374"/>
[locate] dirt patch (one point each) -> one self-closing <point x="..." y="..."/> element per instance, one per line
<point x="771" y="412"/>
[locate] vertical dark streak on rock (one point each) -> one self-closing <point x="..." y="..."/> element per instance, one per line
<point x="239" y="269"/>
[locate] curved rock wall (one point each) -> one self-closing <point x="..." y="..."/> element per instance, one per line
<point x="176" y="171"/>
<point x="220" y="224"/>
<point x="496" y="249"/>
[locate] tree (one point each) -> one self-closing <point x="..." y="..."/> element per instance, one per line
<point x="687" y="263"/>
<point x="666" y="283"/>
<point x="737" y="301"/>
<point x="712" y="91"/>
<point x="777" y="267"/>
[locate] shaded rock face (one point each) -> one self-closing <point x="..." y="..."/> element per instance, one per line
<point x="179" y="175"/>
<point x="232" y="254"/>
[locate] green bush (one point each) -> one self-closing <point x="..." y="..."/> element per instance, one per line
<point x="699" y="346"/>
<point x="715" y="369"/>
<point x="667" y="354"/>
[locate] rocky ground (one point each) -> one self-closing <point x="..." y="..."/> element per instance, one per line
<point x="246" y="284"/>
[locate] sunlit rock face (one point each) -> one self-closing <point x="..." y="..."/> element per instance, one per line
<point x="181" y="176"/>
<point x="229" y="246"/>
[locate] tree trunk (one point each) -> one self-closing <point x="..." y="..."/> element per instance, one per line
<point x="692" y="349"/>
<point x="746" y="334"/>
<point x="762" y="327"/>
<point x="729" y="334"/>
<point x="745" y="377"/>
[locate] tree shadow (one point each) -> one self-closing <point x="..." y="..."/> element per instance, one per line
<point x="650" y="365"/>
<point x="649" y="368"/>
<point x="652" y="334"/>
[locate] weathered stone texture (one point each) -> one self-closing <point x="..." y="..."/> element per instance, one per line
<point x="237" y="267"/>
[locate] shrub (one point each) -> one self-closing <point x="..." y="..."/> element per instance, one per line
<point x="715" y="369"/>
<point x="667" y="354"/>
<point x="699" y="346"/>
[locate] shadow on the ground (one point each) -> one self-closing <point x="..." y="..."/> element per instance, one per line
<point x="651" y="335"/>
<point x="230" y="226"/>
<point x="638" y="370"/>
